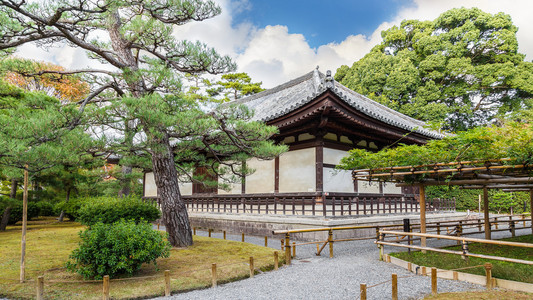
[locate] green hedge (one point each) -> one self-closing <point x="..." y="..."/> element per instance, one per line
<point x="16" y="209"/>
<point x="113" y="209"/>
<point x="71" y="207"/>
<point x="118" y="248"/>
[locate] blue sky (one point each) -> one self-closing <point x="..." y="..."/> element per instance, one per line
<point x="322" y="22"/>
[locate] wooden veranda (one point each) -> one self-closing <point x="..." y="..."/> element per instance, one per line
<point x="494" y="174"/>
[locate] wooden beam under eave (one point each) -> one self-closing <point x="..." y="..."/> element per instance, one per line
<point x="486" y="213"/>
<point x="422" y="192"/>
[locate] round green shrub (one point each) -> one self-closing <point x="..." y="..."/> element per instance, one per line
<point x="113" y="209"/>
<point x="118" y="248"/>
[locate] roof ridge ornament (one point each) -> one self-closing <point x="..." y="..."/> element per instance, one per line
<point x="317" y="82"/>
<point x="329" y="81"/>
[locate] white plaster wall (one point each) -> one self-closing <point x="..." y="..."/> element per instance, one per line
<point x="150" y="189"/>
<point x="262" y="180"/>
<point x="391" y="188"/>
<point x="297" y="171"/>
<point x="333" y="156"/>
<point x="339" y="181"/>
<point x="236" y="188"/>
<point x="368" y="187"/>
<point x="185" y="188"/>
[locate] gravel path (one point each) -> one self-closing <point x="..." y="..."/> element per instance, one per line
<point x="319" y="277"/>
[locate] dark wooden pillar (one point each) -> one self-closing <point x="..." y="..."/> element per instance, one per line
<point x="276" y="174"/>
<point x="486" y="212"/>
<point x="319" y="166"/>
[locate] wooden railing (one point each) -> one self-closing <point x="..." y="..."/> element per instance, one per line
<point x="457" y="232"/>
<point x="312" y="204"/>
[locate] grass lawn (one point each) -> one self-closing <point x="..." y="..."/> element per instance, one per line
<point x="503" y="270"/>
<point x="50" y="244"/>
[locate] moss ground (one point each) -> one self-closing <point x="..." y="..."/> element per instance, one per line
<point x="49" y="245"/>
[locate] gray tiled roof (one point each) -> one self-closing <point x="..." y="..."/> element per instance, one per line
<point x="278" y="101"/>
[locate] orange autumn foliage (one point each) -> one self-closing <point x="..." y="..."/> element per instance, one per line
<point x="64" y="87"/>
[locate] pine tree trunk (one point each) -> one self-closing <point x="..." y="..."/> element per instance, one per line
<point x="7" y="211"/>
<point x="5" y="218"/>
<point x="14" y="186"/>
<point x="62" y="214"/>
<point x="175" y="216"/>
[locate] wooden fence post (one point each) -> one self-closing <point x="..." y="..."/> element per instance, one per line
<point x="209" y="232"/>
<point x="106" y="288"/>
<point x="434" y="281"/>
<point x="243" y="237"/>
<point x="194" y="230"/>
<point x="394" y="286"/>
<point x="266" y="241"/>
<point x="224" y="234"/>
<point x="167" y="283"/>
<point x="214" y="275"/>
<point x="287" y="249"/>
<point x="40" y="288"/>
<point x="330" y="240"/>
<point x="488" y="273"/>
<point x="252" y="269"/>
<point x="293" y="249"/>
<point x="276" y="260"/>
<point x="362" y="293"/>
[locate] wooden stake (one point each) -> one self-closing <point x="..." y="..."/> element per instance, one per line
<point x="209" y="232"/>
<point x="40" y="288"/>
<point x="24" y="226"/>
<point x="287" y="249"/>
<point x="266" y="241"/>
<point x="330" y="240"/>
<point x="488" y="274"/>
<point x="252" y="269"/>
<point x="214" y="275"/>
<point x="224" y="234"/>
<point x="293" y="249"/>
<point x="243" y="237"/>
<point x="486" y="212"/>
<point x="531" y="208"/>
<point x="106" y="288"/>
<point x="194" y="230"/>
<point x="422" y="215"/>
<point x="434" y="281"/>
<point x="394" y="286"/>
<point x="276" y="260"/>
<point x="363" y="291"/>
<point x="167" y="283"/>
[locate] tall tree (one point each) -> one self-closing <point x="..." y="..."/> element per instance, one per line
<point x="460" y="70"/>
<point x="136" y="39"/>
<point x="235" y="85"/>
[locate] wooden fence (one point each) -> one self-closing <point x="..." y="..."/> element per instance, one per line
<point x="450" y="228"/>
<point x="312" y="204"/>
